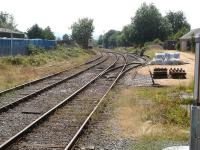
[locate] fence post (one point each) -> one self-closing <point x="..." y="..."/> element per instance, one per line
<point x="195" y="108"/>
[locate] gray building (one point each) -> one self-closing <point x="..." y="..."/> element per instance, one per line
<point x="185" y="38"/>
<point x="7" y="33"/>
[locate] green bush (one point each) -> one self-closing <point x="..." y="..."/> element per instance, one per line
<point x="158" y="41"/>
<point x="33" y="50"/>
<point x="36" y="61"/>
<point x="16" y="60"/>
<point x="39" y="56"/>
<point x="178" y="45"/>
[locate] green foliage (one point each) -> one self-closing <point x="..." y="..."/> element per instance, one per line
<point x="66" y="38"/>
<point x="48" y="34"/>
<point x="16" y="60"/>
<point x="36" y="32"/>
<point x="175" y="114"/>
<point x="178" y="45"/>
<point x="33" y="50"/>
<point x="149" y="24"/>
<point x="41" y="57"/>
<point x="168" y="109"/>
<point x="158" y="42"/>
<point x="107" y="38"/>
<point x="177" y="20"/>
<point x="114" y="38"/>
<point x="7" y="21"/>
<point x="179" y="33"/>
<point x="82" y="31"/>
<point x="154" y="42"/>
<point x="100" y="40"/>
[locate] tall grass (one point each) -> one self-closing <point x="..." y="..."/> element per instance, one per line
<point x="39" y="57"/>
<point x="153" y="113"/>
<point x="19" y="69"/>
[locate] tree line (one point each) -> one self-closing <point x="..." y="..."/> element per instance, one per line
<point x="81" y="30"/>
<point x="147" y="25"/>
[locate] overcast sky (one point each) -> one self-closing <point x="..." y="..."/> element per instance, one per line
<point x="107" y="14"/>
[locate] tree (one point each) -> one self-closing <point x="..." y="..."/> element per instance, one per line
<point x="48" y="34"/>
<point x="148" y="24"/>
<point x="66" y="39"/>
<point x="179" y="33"/>
<point x="127" y="37"/>
<point x="82" y="31"/>
<point x="7" y="21"/>
<point x="100" y="40"/>
<point x="108" y="39"/>
<point x="35" y="32"/>
<point x="178" y="20"/>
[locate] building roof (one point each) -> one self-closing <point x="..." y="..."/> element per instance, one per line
<point x="188" y="35"/>
<point x="4" y="30"/>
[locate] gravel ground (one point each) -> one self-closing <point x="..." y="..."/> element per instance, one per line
<point x="17" y="94"/>
<point x="60" y="127"/>
<point x="17" y="118"/>
<point x="103" y="132"/>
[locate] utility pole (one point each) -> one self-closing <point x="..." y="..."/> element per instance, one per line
<point x="195" y="108"/>
<point x="103" y="39"/>
<point x="11" y="43"/>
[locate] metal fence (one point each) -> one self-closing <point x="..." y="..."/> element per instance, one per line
<point x="20" y="46"/>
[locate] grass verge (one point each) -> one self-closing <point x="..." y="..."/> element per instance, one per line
<point x="19" y="69"/>
<point x="153" y="117"/>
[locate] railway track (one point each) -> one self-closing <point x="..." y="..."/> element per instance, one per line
<point x="99" y="56"/>
<point x="18" y="115"/>
<point x="64" y="120"/>
<point x="11" y="97"/>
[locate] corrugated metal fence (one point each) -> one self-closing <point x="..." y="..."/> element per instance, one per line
<point x="20" y="46"/>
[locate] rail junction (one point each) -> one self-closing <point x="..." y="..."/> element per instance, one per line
<point x="52" y="112"/>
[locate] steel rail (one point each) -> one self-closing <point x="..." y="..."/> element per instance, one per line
<point x="92" y="60"/>
<point x="35" y="93"/>
<point x="135" y="56"/>
<point x="80" y="130"/>
<point x="128" y="64"/>
<point x="46" y="77"/>
<point x="17" y="136"/>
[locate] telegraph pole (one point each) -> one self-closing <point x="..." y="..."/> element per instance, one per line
<point x="195" y="108"/>
<point x="11" y="43"/>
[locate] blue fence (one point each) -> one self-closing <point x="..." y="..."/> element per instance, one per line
<point x="20" y="46"/>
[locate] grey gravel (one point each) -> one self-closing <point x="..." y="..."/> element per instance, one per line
<point x="13" y="120"/>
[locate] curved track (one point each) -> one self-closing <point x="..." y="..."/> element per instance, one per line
<point x="68" y="113"/>
<point x="14" y="96"/>
<point x="21" y="116"/>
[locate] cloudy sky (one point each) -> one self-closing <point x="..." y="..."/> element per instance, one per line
<point x="107" y="14"/>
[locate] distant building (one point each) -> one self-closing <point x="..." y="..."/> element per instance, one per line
<point x="7" y="33"/>
<point x="90" y="43"/>
<point x="185" y="38"/>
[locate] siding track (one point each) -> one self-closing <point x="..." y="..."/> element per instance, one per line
<point x="55" y="118"/>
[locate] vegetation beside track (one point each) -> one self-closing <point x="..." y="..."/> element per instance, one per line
<point x="152" y="116"/>
<point x="19" y="69"/>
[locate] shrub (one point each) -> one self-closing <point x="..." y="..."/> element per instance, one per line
<point x="178" y="45"/>
<point x="158" y="41"/>
<point x="16" y="60"/>
<point x="36" y="61"/>
<point x="33" y="50"/>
